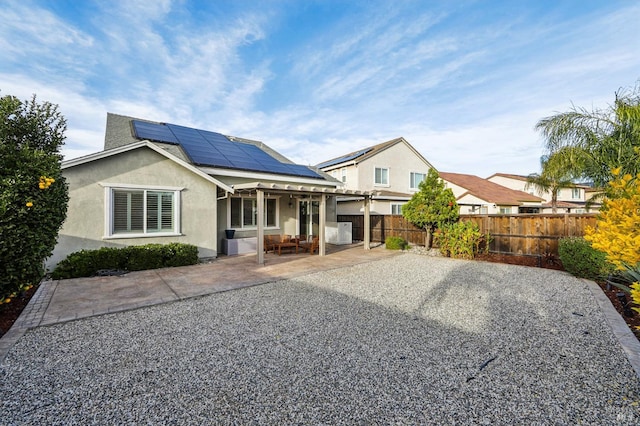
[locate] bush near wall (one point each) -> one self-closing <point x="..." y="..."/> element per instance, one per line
<point x="461" y="240"/>
<point x="87" y="263"/>
<point x="395" y="243"/>
<point x="581" y="260"/>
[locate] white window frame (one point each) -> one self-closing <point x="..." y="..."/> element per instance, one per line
<point x="575" y="194"/>
<point x="503" y="209"/>
<point x="244" y="227"/>
<point x="412" y="179"/>
<point x="398" y="206"/>
<point x="343" y="174"/>
<point x="388" y="176"/>
<point x="110" y="188"/>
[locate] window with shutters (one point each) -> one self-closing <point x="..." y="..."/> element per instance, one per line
<point x="142" y="212"/>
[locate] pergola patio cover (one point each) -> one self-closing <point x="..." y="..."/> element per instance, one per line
<point x="322" y="191"/>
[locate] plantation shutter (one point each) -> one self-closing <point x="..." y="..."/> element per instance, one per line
<point x="159" y="211"/>
<point x="128" y="211"/>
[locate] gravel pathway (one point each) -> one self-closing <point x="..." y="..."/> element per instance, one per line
<point x="406" y="340"/>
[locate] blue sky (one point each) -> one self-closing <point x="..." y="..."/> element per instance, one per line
<point x="463" y="81"/>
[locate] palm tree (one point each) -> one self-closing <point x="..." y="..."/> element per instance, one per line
<point x="592" y="143"/>
<point x="554" y="176"/>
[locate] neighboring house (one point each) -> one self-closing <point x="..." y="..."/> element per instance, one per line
<point x="391" y="171"/>
<point x="570" y="200"/>
<point x="159" y="183"/>
<point x="476" y="195"/>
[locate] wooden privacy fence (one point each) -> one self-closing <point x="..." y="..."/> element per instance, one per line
<point x="383" y="226"/>
<point x="531" y="234"/>
<point x="522" y="234"/>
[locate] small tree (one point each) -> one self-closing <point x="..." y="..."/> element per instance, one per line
<point x="432" y="206"/>
<point x="33" y="193"/>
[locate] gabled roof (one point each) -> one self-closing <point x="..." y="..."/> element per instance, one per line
<point x="489" y="191"/>
<point x="360" y="155"/>
<point x="143" y="144"/>
<point x="204" y="148"/>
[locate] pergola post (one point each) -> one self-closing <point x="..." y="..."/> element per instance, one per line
<point x="367" y="223"/>
<point x="260" y="207"/>
<point x="322" y="225"/>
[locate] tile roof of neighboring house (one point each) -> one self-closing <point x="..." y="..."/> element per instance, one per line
<point x="507" y="175"/>
<point x="489" y="191"/>
<point x="365" y="153"/>
<point x="524" y="179"/>
<point x="570" y="204"/>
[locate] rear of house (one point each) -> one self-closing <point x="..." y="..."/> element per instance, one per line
<point x="159" y="183"/>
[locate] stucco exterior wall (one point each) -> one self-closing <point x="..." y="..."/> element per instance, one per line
<point x="400" y="160"/>
<point x="84" y="227"/>
<point x="357" y="206"/>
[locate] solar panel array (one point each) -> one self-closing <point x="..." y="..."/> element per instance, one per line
<point x="212" y="149"/>
<point x="344" y="158"/>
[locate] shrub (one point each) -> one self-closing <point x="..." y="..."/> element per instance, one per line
<point x="581" y="260"/>
<point x="176" y="254"/>
<point x="33" y="193"/>
<point x="86" y="263"/>
<point x="395" y="243"/>
<point x="460" y="240"/>
<point x="139" y="258"/>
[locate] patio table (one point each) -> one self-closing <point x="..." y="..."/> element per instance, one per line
<point x="287" y="245"/>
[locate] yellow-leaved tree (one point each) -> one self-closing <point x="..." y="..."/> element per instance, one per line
<point x="617" y="232"/>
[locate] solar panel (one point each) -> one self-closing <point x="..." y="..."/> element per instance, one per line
<point x="343" y="158"/>
<point x="206" y="148"/>
<point x="153" y="132"/>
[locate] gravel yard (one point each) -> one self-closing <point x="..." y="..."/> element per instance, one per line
<point x="406" y="340"/>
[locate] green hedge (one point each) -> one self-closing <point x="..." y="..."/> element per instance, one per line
<point x="461" y="240"/>
<point x="581" y="260"/>
<point x="86" y="263"/>
<point x="395" y="243"/>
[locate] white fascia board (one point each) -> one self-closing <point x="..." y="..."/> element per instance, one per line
<point x="125" y="148"/>
<point x="338" y="166"/>
<point x="266" y="176"/>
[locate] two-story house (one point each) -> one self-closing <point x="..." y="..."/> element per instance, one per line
<point x="572" y="199"/>
<point x="391" y="171"/>
<point x="476" y="195"/>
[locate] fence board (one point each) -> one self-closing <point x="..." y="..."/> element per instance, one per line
<point x="523" y="234"/>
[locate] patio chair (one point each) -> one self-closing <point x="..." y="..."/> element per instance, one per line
<point x="311" y="246"/>
<point x="271" y="242"/>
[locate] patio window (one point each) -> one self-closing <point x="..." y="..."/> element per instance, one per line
<point x="243" y="213"/>
<point x="140" y="212"/>
<point x="415" y="179"/>
<point x="381" y="176"/>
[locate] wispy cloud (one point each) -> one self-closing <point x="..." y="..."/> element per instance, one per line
<point x="462" y="82"/>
